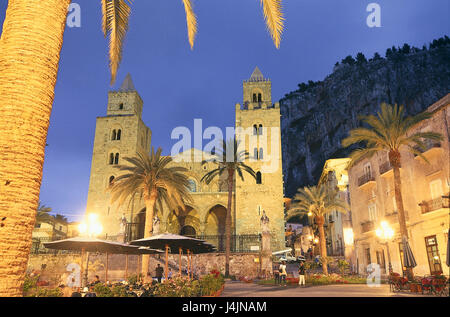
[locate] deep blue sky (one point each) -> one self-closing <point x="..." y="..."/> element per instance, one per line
<point x="178" y="85"/>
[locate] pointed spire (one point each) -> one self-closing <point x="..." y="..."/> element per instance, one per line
<point x="127" y="84"/>
<point x="256" y="75"/>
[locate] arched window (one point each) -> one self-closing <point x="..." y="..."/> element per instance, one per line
<point x="255" y="153"/>
<point x="116" y="159"/>
<point x="111" y="159"/>
<point x="192" y="185"/>
<point x="261" y="153"/>
<point x="119" y="134"/>
<point x="255" y="129"/>
<point x="121" y="106"/>
<point x="258" y="178"/>
<point x="114" y="135"/>
<point x="260" y="129"/>
<point x="111" y="180"/>
<point x="213" y="151"/>
<point x="259" y="98"/>
<point x="255" y="98"/>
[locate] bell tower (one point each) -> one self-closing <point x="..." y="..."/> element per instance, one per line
<point x="121" y="133"/>
<point x="258" y="129"/>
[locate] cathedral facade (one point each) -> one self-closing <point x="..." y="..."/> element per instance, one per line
<point x="121" y="133"/>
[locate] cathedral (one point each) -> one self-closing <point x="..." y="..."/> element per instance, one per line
<point x="121" y="133"/>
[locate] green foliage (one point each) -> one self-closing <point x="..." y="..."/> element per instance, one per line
<point x="211" y="283"/>
<point x="134" y="278"/>
<point x="102" y="290"/>
<point x="48" y="292"/>
<point x="30" y="283"/>
<point x="342" y="265"/>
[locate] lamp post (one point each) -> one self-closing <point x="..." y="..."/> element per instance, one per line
<point x="91" y="229"/>
<point x="386" y="233"/>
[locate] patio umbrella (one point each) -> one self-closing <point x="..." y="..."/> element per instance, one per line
<point x="174" y="243"/>
<point x="408" y="257"/>
<point x="87" y="244"/>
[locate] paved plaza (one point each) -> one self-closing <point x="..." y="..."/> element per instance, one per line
<point x="240" y="289"/>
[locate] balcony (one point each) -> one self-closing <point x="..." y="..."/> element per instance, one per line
<point x="366" y="180"/>
<point x="435" y="204"/>
<point x="386" y="169"/>
<point x="392" y="217"/>
<point x="367" y="226"/>
<point x="432" y="148"/>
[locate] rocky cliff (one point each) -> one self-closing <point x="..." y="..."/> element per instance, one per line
<point x="317" y="116"/>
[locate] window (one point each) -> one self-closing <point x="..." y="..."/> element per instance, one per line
<point x="260" y="129"/>
<point x="368" y="170"/>
<point x="259" y="98"/>
<point x="255" y="129"/>
<point x="260" y="153"/>
<point x="368" y="259"/>
<point x="436" y="189"/>
<point x="111" y="159"/>
<point x="192" y="186"/>
<point x="380" y="259"/>
<point x="114" y="135"/>
<point x="111" y="179"/>
<point x="255" y="98"/>
<point x="255" y="153"/>
<point x="213" y="151"/>
<point x="258" y="178"/>
<point x="433" y="255"/>
<point x="119" y="134"/>
<point x="121" y="106"/>
<point x="372" y="212"/>
<point x="116" y="159"/>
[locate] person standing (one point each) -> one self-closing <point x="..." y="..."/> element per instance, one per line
<point x="283" y="273"/>
<point x="276" y="274"/>
<point x="159" y="273"/>
<point x="301" y="274"/>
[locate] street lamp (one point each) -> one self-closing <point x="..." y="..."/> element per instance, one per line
<point x="386" y="233"/>
<point x="91" y="229"/>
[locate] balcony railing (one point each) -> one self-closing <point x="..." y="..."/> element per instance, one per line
<point x="435" y="204"/>
<point x="244" y="243"/>
<point x="385" y="167"/>
<point x="37" y="247"/>
<point x="429" y="144"/>
<point x="365" y="179"/>
<point x="367" y="226"/>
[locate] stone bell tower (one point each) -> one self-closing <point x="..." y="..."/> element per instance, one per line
<point x="121" y="133"/>
<point x="258" y="128"/>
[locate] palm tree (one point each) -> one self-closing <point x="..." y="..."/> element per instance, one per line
<point x="30" y="46"/>
<point x="42" y="213"/>
<point x="149" y="176"/>
<point x="389" y="131"/>
<point x="317" y="201"/>
<point x="233" y="165"/>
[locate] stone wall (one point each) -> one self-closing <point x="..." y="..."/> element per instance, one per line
<point x="54" y="268"/>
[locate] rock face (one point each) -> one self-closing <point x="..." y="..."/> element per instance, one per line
<point x="317" y="116"/>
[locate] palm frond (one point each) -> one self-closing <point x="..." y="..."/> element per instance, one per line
<point x="274" y="19"/>
<point x="191" y="21"/>
<point x="115" y="24"/>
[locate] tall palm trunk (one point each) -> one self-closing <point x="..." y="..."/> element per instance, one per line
<point x="30" y="47"/>
<point x="395" y="160"/>
<point x="320" y="220"/>
<point x="149" y="209"/>
<point x="228" y="223"/>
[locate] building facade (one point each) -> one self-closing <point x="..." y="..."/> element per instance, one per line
<point x="121" y="133"/>
<point x="425" y="190"/>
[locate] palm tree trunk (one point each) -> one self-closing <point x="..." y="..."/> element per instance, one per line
<point x="394" y="158"/>
<point x="30" y="47"/>
<point x="320" y="220"/>
<point x="149" y="209"/>
<point x="228" y="223"/>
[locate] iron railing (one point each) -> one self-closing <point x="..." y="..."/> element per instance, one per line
<point x="37" y="247"/>
<point x="243" y="243"/>
<point x="435" y="204"/>
<point x="367" y="226"/>
<point x="365" y="179"/>
<point x="385" y="167"/>
<point x="429" y="144"/>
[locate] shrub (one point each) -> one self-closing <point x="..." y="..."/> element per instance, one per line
<point x="101" y="290"/>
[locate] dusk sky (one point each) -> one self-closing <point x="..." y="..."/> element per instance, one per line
<point x="179" y="85"/>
